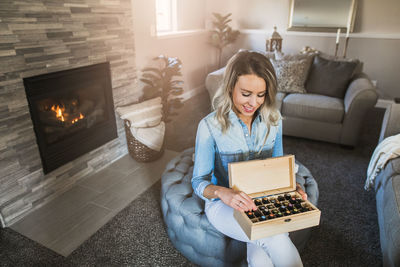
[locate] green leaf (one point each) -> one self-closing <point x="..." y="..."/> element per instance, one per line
<point x="156" y="70"/>
<point x="173" y="114"/>
<point x="177" y="105"/>
<point x="160" y="82"/>
<point x="146" y="81"/>
<point x="227" y="21"/>
<point x="151" y="76"/>
<point x="176" y="82"/>
<point x="217" y="16"/>
<point x="177" y="92"/>
<point x="227" y="16"/>
<point x="223" y="34"/>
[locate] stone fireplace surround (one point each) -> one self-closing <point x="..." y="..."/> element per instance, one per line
<point x="42" y="37"/>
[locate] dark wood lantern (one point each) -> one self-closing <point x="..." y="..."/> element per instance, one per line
<point x="275" y="42"/>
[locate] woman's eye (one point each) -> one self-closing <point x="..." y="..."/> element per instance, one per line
<point x="246" y="95"/>
<point x="262" y="95"/>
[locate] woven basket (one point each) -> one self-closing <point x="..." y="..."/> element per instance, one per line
<point x="139" y="151"/>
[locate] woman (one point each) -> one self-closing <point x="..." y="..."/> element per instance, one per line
<point x="245" y="125"/>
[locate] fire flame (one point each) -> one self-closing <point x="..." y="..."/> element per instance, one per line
<point x="60" y="114"/>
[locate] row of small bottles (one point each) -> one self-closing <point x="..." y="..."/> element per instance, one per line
<point x="278" y="206"/>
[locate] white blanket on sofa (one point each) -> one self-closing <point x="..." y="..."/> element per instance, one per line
<point x="388" y="149"/>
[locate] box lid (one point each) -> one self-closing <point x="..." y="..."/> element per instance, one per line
<point x="267" y="176"/>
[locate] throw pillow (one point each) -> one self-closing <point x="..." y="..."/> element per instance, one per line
<point x="291" y="75"/>
<point x="357" y="70"/>
<point x="144" y="114"/>
<point x="329" y="77"/>
<point x="290" y="57"/>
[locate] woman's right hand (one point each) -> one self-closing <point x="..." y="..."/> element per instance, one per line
<point x="236" y="199"/>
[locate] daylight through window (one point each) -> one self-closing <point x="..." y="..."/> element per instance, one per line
<point x="179" y="15"/>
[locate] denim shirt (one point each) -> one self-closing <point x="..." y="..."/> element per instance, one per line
<point x="214" y="149"/>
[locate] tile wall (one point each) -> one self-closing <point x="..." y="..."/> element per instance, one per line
<point x="43" y="36"/>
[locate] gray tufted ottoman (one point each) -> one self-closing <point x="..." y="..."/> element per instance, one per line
<point x="188" y="227"/>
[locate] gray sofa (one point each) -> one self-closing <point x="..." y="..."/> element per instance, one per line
<point x="387" y="192"/>
<point x="336" y="118"/>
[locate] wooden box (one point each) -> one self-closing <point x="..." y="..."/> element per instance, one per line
<point x="266" y="180"/>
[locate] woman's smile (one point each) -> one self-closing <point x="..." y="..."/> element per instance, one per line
<point x="248" y="109"/>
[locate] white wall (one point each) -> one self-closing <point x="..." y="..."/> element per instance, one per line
<point x="191" y="20"/>
<point x="376" y="40"/>
<point x="197" y="56"/>
<point x="378" y="16"/>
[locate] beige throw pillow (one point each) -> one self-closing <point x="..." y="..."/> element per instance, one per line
<point x="291" y="75"/>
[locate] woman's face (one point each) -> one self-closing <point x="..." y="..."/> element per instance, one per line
<point x="248" y="95"/>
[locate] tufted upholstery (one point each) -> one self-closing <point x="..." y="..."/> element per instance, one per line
<point x="188" y="227"/>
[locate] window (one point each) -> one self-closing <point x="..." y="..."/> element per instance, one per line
<point x="179" y="15"/>
<point x="166" y="15"/>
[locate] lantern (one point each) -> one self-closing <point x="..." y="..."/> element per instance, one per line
<point x="275" y="42"/>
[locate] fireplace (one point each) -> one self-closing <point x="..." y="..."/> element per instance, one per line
<point x="72" y="112"/>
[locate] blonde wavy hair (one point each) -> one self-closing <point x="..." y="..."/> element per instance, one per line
<point x="243" y="63"/>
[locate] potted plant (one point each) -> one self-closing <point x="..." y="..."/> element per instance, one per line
<point x="223" y="34"/>
<point x="159" y="81"/>
<point x="145" y="121"/>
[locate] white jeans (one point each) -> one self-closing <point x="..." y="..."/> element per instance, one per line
<point x="277" y="250"/>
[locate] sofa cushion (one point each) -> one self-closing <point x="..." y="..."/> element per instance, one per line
<point x="391" y="169"/>
<point x="289" y="57"/>
<point x="357" y="70"/>
<point x="214" y="81"/>
<point x="313" y="107"/>
<point x="329" y="77"/>
<point x="391" y="121"/>
<point x="279" y="98"/>
<point x="387" y="188"/>
<point x="291" y="75"/>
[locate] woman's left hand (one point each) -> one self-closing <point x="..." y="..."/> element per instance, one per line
<point x="301" y="191"/>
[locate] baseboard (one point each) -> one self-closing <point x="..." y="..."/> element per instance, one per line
<point x="383" y="103"/>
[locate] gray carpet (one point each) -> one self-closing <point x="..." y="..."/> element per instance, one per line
<point x="347" y="236"/>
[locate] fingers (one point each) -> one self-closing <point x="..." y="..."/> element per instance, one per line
<point x="249" y="201"/>
<point x="301" y="192"/>
<point x="233" y="199"/>
<point x="244" y="202"/>
<point x="239" y="206"/>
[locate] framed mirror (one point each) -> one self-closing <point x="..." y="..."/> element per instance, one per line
<point x="322" y="15"/>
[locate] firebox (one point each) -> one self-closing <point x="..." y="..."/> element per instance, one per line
<point x="72" y="112"/>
